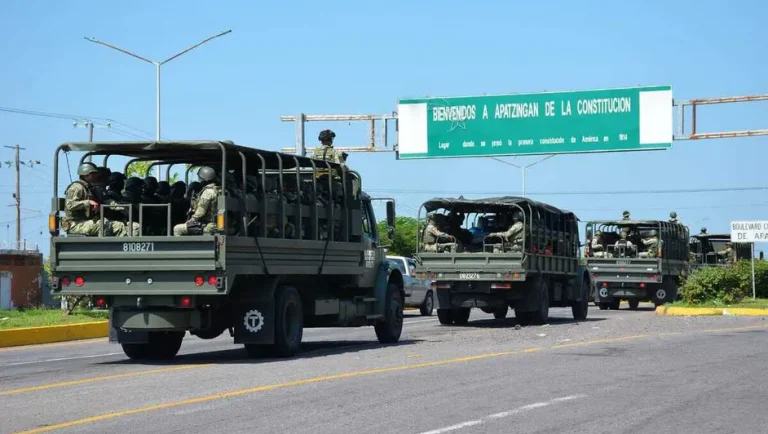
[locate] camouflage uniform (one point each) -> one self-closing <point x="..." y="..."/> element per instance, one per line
<point x="326" y="152"/>
<point x="623" y="242"/>
<point x="597" y="249"/>
<point x="652" y="243"/>
<point x="513" y="235"/>
<point x="204" y="206"/>
<point x="727" y="253"/>
<point x="432" y="237"/>
<point x="80" y="217"/>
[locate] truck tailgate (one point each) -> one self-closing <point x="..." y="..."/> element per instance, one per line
<point x="636" y="270"/>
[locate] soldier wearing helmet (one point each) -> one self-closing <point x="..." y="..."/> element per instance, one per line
<point x="727" y="254"/>
<point x="513" y="235"/>
<point x="434" y="239"/>
<point x="673" y="217"/>
<point x="326" y="151"/>
<point x="203" y="218"/>
<point x="82" y="206"/>
<point x="597" y="247"/>
<point x="651" y="243"/>
<point x="625" y="215"/>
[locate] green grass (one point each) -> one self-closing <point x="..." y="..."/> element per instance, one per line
<point x="11" y="319"/>
<point x="760" y="303"/>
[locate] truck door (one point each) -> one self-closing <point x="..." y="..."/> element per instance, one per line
<point x="372" y="253"/>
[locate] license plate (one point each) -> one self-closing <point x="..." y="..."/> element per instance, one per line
<point x="469" y="275"/>
<point x="138" y="247"/>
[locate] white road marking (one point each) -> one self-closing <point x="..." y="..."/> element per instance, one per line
<point x="504" y="414"/>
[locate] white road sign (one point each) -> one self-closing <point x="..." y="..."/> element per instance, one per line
<point x="754" y="231"/>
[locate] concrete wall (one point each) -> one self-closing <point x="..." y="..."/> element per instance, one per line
<point x="27" y="268"/>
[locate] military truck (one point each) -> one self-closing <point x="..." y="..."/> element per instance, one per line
<point x="488" y="272"/>
<point x="705" y="247"/>
<point x="627" y="268"/>
<point x="262" y="281"/>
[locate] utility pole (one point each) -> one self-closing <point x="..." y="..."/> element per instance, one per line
<point x="17" y="196"/>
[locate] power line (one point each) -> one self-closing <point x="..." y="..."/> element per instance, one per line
<point x="577" y="193"/>
<point x="123" y="129"/>
<point x="17" y="195"/>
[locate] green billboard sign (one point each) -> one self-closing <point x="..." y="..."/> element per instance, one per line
<point x="608" y="120"/>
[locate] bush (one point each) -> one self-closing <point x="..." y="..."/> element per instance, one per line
<point x="725" y="285"/>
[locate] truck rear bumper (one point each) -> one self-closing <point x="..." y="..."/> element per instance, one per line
<point x="157" y="319"/>
<point x="607" y="291"/>
<point x="137" y="283"/>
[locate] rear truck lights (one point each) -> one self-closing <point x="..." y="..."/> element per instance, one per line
<point x="212" y="280"/>
<point x="642" y="285"/>
<point x="101" y="302"/>
<point x="501" y="285"/>
<point x="185" y="301"/>
<point x="79" y="281"/>
<point x="65" y="281"/>
<point x="199" y="280"/>
<point x="220" y="220"/>
<point x="53" y="224"/>
<point x="605" y="284"/>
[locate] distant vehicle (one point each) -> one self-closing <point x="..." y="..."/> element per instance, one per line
<point x="704" y="248"/>
<point x="492" y="274"/>
<point x="418" y="291"/>
<point x="628" y="270"/>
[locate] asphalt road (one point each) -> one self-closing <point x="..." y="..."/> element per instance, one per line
<point x="620" y="371"/>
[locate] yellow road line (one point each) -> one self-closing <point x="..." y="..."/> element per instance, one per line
<point x="327" y="378"/>
<point x="102" y="378"/>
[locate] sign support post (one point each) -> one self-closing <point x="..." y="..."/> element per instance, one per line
<point x="750" y="232"/>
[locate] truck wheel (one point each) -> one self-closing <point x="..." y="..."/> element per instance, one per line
<point x="602" y="305"/>
<point x="445" y="316"/>
<point x="615" y="304"/>
<point x="501" y="313"/>
<point x="389" y="330"/>
<point x="580" y="309"/>
<point x="634" y="303"/>
<point x="289" y="321"/>
<point x="429" y="304"/>
<point x="461" y="315"/>
<point x="160" y="346"/>
<point x="541" y="314"/>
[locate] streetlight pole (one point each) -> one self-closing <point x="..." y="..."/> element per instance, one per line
<point x="523" y="167"/>
<point x="157" y="74"/>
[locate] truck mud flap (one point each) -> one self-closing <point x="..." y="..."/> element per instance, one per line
<point x="254" y="322"/>
<point x="117" y="335"/>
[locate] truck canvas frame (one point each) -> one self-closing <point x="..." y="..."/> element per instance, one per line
<point x="322" y="266"/>
<point x="490" y="274"/>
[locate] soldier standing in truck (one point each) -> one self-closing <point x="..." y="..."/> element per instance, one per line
<point x="513" y="235"/>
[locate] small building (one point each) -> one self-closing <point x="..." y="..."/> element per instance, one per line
<point x="21" y="267"/>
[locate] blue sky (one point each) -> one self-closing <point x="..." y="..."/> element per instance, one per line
<point x="346" y="57"/>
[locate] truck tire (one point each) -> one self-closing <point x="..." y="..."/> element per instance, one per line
<point x="461" y="315"/>
<point x="501" y="312"/>
<point x="602" y="305"/>
<point x="580" y="309"/>
<point x="445" y="316"/>
<point x="289" y="322"/>
<point x="615" y="304"/>
<point x="541" y="314"/>
<point x="429" y="304"/>
<point x="634" y="303"/>
<point x="160" y="346"/>
<point x="388" y="331"/>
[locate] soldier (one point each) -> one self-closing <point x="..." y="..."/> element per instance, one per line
<point x="163" y="194"/>
<point x="149" y="190"/>
<point x="651" y="242"/>
<point x="597" y="248"/>
<point x="703" y="231"/>
<point x="115" y="186"/>
<point x="625" y="215"/>
<point x="673" y="217"/>
<point x="81" y="206"/>
<point x="513" y="235"/>
<point x="433" y="235"/>
<point x="623" y="246"/>
<point x="203" y="219"/>
<point x="727" y="253"/>
<point x="326" y="151"/>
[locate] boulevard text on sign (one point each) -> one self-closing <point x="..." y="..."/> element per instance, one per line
<point x="749" y="231"/>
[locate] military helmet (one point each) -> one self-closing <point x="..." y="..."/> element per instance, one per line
<point x="673" y="215"/>
<point x="517" y="216"/>
<point x="134" y="183"/>
<point x="164" y="188"/>
<point x="87" y="168"/>
<point x="116" y="176"/>
<point x="703" y="230"/>
<point x="151" y="182"/>
<point x="326" y="136"/>
<point x="104" y="171"/>
<point x="599" y="233"/>
<point x="653" y="233"/>
<point x="625" y="213"/>
<point x="206" y="174"/>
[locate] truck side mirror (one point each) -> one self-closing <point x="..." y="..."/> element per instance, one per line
<point x="391" y="213"/>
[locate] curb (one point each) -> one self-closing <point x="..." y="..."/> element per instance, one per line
<point x="51" y="334"/>
<point x="700" y="311"/>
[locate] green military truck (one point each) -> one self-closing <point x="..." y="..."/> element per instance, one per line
<point x="488" y="272"/>
<point x="633" y="268"/>
<point x="705" y="248"/>
<point x="261" y="281"/>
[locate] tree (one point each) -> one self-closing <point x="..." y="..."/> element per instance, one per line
<point x="141" y="169"/>
<point x="404" y="243"/>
